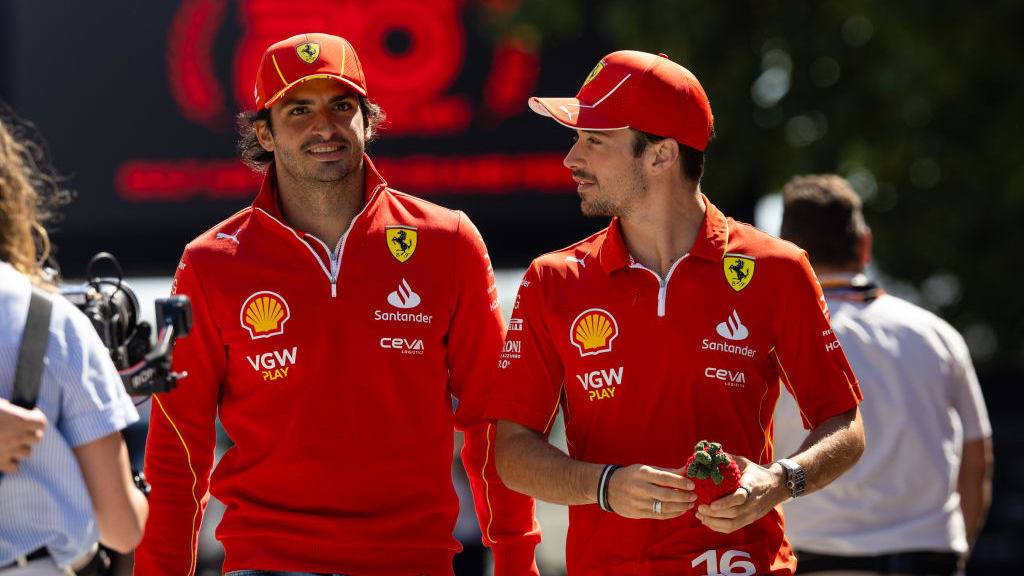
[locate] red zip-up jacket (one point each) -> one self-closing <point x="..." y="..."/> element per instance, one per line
<point x="333" y="372"/>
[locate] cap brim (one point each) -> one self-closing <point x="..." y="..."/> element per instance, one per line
<point x="574" y="114"/>
<point x="280" y="93"/>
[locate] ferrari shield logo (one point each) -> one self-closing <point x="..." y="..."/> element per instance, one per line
<point x="739" y="269"/>
<point x="308" y="51"/>
<point x="401" y="241"/>
<point x="593" y="73"/>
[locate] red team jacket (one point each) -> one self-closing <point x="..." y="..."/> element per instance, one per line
<point x="643" y="369"/>
<point x="333" y="372"/>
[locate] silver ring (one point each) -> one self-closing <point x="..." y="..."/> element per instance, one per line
<point x="657" y="506"/>
<point x="747" y="490"/>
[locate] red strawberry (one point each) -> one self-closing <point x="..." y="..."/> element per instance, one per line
<point x="714" y="472"/>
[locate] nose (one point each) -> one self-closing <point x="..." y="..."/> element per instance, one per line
<point x="323" y="126"/>
<point x="572" y="160"/>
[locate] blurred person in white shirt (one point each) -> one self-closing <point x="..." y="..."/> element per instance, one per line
<point x="917" y="499"/>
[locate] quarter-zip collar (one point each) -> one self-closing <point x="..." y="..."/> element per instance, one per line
<point x="709" y="245"/>
<point x="267" y="204"/>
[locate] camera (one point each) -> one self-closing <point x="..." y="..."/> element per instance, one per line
<point x="113" y="308"/>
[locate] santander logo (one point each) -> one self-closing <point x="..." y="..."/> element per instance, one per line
<point x="404" y="297"/>
<point x="732" y="328"/>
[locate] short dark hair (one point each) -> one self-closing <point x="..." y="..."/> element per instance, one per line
<point x="822" y="214"/>
<point x="256" y="157"/>
<point x="692" y="159"/>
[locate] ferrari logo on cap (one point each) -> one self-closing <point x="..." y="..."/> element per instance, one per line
<point x="739" y="269"/>
<point x="593" y="73"/>
<point x="401" y="241"/>
<point x="593" y="332"/>
<point x="264" y="314"/>
<point x="308" y="51"/>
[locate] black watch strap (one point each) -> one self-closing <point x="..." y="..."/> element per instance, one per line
<point x="140" y="482"/>
<point x="796" y="480"/>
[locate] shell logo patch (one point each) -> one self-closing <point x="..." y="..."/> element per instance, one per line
<point x="308" y="51"/>
<point x="264" y="314"/>
<point x="593" y="73"/>
<point x="402" y="241"/>
<point x="593" y="331"/>
<point x="739" y="269"/>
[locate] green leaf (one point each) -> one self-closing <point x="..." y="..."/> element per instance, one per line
<point x="703" y="458"/>
<point x="716" y="475"/>
<point x="722" y="458"/>
<point x="702" y="474"/>
<point x="693" y="470"/>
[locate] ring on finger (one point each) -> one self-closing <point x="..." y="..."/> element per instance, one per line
<point x="657" y="506"/>
<point x="747" y="490"/>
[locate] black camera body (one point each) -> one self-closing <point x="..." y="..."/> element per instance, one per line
<point x="113" y="308"/>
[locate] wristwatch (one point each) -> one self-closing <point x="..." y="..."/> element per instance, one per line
<point x="140" y="482"/>
<point x="796" y="480"/>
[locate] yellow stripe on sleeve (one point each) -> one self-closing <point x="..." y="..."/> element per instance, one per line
<point x="195" y="480"/>
<point x="789" y="384"/>
<point x="551" y="419"/>
<point x="487" y="486"/>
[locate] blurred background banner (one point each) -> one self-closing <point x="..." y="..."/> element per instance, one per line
<point x="917" y="103"/>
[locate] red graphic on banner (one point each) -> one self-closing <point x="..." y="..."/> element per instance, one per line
<point x="148" y="181"/>
<point x="412" y="53"/>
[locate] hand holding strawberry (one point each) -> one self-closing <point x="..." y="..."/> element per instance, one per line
<point x="713" y="471"/>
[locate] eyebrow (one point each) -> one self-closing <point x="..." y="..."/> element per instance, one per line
<point x="308" y="101"/>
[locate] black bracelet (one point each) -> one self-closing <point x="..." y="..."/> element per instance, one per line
<point x="602" y="487"/>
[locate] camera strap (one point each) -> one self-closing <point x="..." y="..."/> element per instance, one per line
<point x="34" y="340"/>
<point x="33" y="347"/>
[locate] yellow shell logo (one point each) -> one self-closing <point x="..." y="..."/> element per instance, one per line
<point x="593" y="331"/>
<point x="739" y="270"/>
<point x="308" y="51"/>
<point x="264" y="314"/>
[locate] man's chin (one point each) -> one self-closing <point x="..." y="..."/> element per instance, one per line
<point x="596" y="210"/>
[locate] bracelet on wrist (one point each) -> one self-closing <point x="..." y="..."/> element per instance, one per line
<point x="602" y="487"/>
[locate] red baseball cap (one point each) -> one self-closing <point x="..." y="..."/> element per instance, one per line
<point x="305" y="57"/>
<point x="646" y="92"/>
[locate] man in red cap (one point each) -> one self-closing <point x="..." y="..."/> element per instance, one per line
<point x="673" y="325"/>
<point x="334" y="320"/>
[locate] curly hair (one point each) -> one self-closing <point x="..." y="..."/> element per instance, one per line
<point x="256" y="157"/>
<point x="30" y="191"/>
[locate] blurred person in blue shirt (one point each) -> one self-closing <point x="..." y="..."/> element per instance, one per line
<point x="74" y="488"/>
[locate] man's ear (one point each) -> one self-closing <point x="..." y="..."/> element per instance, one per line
<point x="665" y="155"/>
<point x="264" y="134"/>
<point x="865" y="248"/>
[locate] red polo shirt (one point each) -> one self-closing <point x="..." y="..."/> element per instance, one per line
<point x="644" y="368"/>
